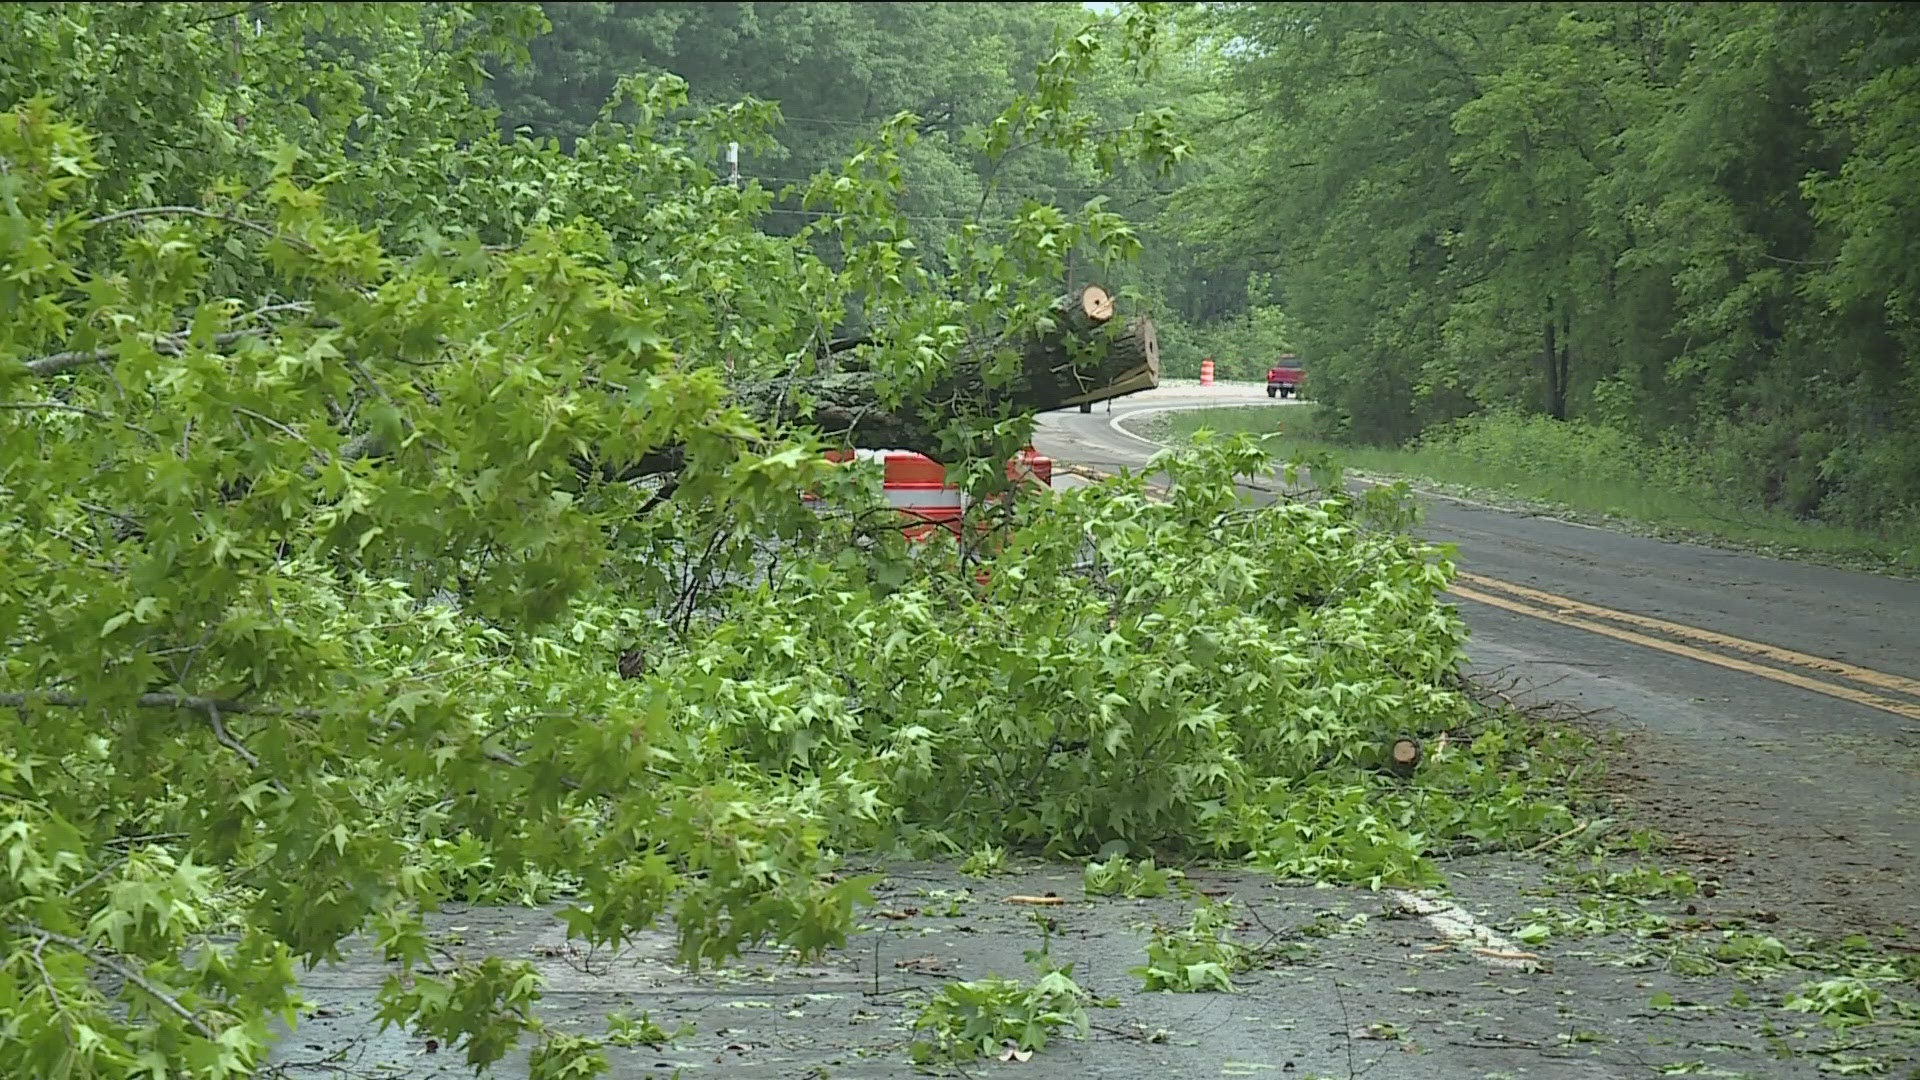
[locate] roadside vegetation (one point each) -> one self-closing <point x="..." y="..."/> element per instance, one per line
<point x="1586" y="470"/>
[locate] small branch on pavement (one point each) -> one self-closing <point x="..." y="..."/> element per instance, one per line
<point x="1512" y="1044"/>
<point x="1346" y="1026"/>
<point x="1552" y="840"/>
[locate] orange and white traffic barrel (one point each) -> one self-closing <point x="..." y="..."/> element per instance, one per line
<point x="916" y="486"/>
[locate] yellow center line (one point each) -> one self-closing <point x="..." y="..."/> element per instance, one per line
<point x="1896" y="683"/>
<point x="1566" y="612"/>
<point x="1845" y="693"/>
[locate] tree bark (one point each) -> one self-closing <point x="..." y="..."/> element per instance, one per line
<point x="1087" y="356"/>
<point x="1556" y="393"/>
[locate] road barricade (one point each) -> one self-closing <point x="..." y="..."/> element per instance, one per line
<point x="916" y="486"/>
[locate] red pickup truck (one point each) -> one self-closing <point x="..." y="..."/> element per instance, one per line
<point x="1285" y="377"/>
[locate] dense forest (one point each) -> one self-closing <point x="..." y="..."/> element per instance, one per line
<point x="1692" y="223"/>
<point x="1695" y="223"/>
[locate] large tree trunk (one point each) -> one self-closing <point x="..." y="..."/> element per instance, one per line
<point x="1088" y="356"/>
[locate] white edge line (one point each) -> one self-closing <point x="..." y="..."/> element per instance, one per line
<point x="1459" y="928"/>
<point x="1496" y="508"/>
<point x="1117" y="426"/>
<point x="1115" y="421"/>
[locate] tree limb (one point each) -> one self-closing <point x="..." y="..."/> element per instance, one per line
<point x="213" y="707"/>
<point x="195" y="211"/>
<point x="114" y="965"/>
<point x="168" y="344"/>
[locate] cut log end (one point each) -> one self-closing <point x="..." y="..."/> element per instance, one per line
<point x="1096" y="303"/>
<point x="1404" y="757"/>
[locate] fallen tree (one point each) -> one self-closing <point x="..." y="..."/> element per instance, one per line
<point x="250" y="442"/>
<point x="1085" y="355"/>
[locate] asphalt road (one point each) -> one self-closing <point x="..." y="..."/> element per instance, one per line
<point x="1772" y="707"/>
<point x="1349" y="985"/>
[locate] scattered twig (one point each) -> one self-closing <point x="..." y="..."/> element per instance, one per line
<point x="97" y="876"/>
<point x="1346" y="1026"/>
<point x="272" y="423"/>
<point x="61" y="406"/>
<point x="1552" y="840"/>
<point x="227" y="740"/>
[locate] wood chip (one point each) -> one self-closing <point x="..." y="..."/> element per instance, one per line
<point x="1044" y="900"/>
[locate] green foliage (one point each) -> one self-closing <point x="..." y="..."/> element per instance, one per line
<point x="1584" y="467"/>
<point x="1638" y="882"/>
<point x="624" y="1030"/>
<point x="567" y="1057"/>
<point x="332" y="493"/>
<point x="837" y="71"/>
<point x="1574" y="450"/>
<point x="1196" y="672"/>
<point x="1197" y="958"/>
<point x="968" y="1020"/>
<point x="986" y="861"/>
<point x="1840" y="1002"/>
<point x="1120" y="876"/>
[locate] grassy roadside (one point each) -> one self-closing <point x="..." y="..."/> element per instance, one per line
<point x="1600" y="495"/>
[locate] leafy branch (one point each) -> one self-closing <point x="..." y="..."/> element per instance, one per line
<point x="267" y="231"/>
<point x="115" y="965"/>
<point x="167" y="344"/>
